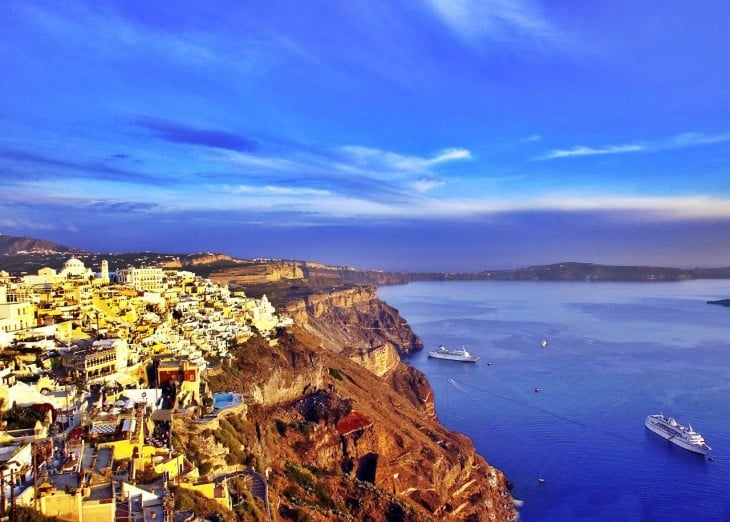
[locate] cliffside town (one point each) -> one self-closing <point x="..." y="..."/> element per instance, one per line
<point x="270" y="391"/>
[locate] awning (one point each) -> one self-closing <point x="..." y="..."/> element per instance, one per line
<point x="104" y="429"/>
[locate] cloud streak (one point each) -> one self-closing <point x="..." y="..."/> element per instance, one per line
<point x="357" y="171"/>
<point x="46" y="166"/>
<point x="497" y="20"/>
<point x="382" y="161"/>
<point x="581" y="150"/>
<point x="190" y="135"/>
<point x="679" y="141"/>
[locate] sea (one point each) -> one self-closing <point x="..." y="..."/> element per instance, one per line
<point x="565" y="423"/>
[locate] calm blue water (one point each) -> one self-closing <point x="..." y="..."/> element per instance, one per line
<point x="617" y="352"/>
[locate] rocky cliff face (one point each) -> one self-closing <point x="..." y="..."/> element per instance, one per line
<point x="247" y="273"/>
<point x="345" y="429"/>
<point x="353" y="321"/>
<point x="340" y="442"/>
<point x="198" y="260"/>
<point x="316" y="275"/>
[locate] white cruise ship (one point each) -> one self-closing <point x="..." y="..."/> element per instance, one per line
<point x="683" y="436"/>
<point x="460" y="354"/>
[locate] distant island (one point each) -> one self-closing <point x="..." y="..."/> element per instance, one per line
<point x="721" y="302"/>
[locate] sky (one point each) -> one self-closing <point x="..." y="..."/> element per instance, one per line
<point x="432" y="135"/>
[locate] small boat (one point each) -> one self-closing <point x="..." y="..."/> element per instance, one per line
<point x="544" y="343"/>
<point x="682" y="436"/>
<point x="460" y="354"/>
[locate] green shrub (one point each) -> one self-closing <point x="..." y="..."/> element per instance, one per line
<point x="204" y="467"/>
<point x="188" y="500"/>
<point x="323" y="496"/>
<point x="297" y="475"/>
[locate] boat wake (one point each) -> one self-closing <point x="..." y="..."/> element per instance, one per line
<point x="457" y="386"/>
<point x="462" y="387"/>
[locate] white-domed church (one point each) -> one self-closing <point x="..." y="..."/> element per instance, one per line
<point x="75" y="269"/>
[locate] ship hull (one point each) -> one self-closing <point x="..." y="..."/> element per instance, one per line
<point x="677" y="440"/>
<point x="449" y="357"/>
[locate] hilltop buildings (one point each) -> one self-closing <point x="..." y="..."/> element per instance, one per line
<point x="93" y="367"/>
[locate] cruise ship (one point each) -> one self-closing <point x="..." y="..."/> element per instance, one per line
<point x="683" y="436"/>
<point x="460" y="354"/>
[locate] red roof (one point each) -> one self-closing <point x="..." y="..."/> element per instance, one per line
<point x="353" y="422"/>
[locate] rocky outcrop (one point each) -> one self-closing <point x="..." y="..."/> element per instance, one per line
<point x="352" y="297"/>
<point x="244" y="274"/>
<point x="353" y="321"/>
<point x="282" y="385"/>
<point x="202" y="259"/>
<point x="379" y="360"/>
<point x="397" y="459"/>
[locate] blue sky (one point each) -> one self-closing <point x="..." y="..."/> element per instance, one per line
<point x="453" y="135"/>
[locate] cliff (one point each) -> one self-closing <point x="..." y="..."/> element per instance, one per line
<point x="352" y="321"/>
<point x="340" y="442"/>
<point x="342" y="427"/>
<point x="202" y="259"/>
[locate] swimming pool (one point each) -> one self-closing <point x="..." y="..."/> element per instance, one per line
<point x="226" y="400"/>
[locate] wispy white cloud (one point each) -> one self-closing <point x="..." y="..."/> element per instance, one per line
<point x="700" y="206"/>
<point x="679" y="141"/>
<point x="694" y="139"/>
<point x="591" y="151"/>
<point x="425" y="184"/>
<point x="450" y="155"/>
<point x="102" y="31"/>
<point x="14" y="224"/>
<point x="262" y="178"/>
<point x="322" y="205"/>
<point x="653" y="208"/>
<point x="500" y="20"/>
<point x="257" y="161"/>
<point x="369" y="172"/>
<point x="378" y="160"/>
<point x="294" y="191"/>
<point x="273" y="189"/>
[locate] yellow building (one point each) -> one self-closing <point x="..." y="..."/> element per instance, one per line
<point x="217" y="491"/>
<point x="16" y="316"/>
<point x="104" y="357"/>
<point x="150" y="279"/>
